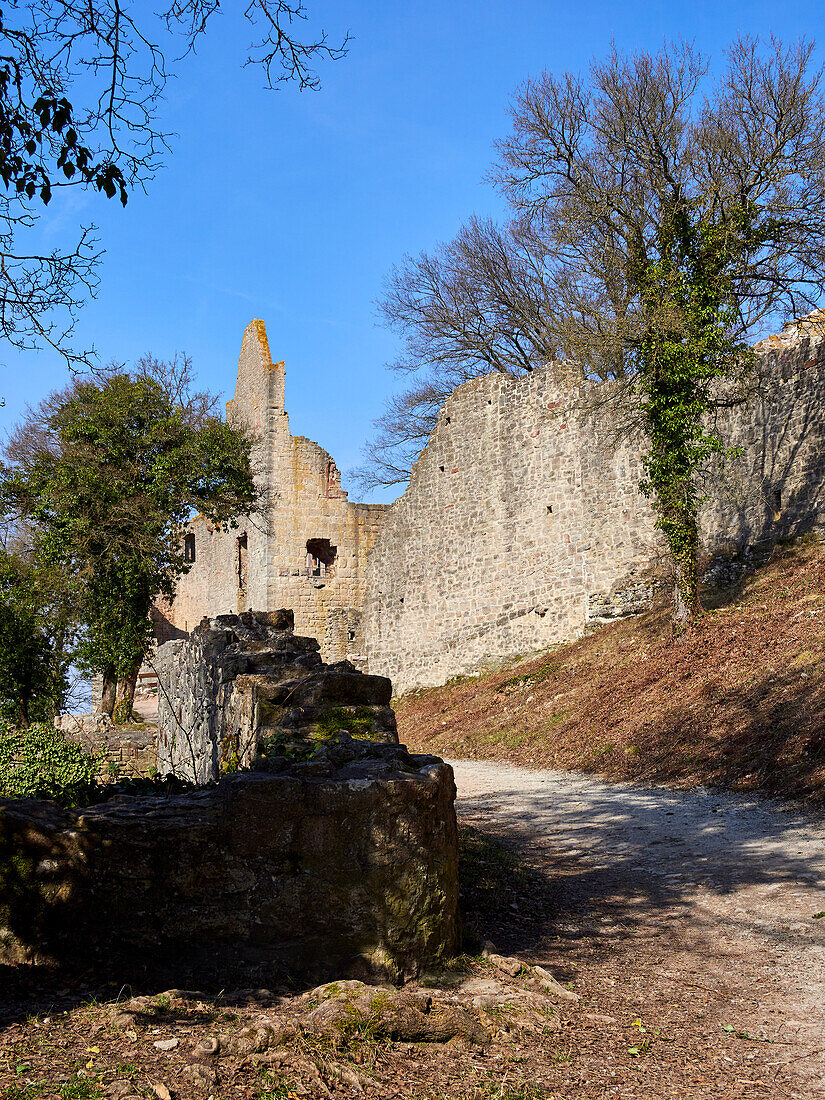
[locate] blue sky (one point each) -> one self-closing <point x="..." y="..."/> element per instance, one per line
<point x="293" y="206"/>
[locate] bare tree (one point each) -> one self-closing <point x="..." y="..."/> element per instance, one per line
<point x="177" y="377"/>
<point x="477" y="304"/>
<point x="401" y="432"/>
<point x="669" y="218"/>
<point x="604" y="160"/>
<point x="80" y="87"/>
<point x="488" y="300"/>
<point x="709" y="204"/>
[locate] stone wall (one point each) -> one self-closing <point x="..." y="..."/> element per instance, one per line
<point x="341" y="867"/>
<point x="518" y="510"/>
<point x="265" y="563"/>
<point x="774" y="488"/>
<point x="128" y="753"/>
<point x="239" y="682"/>
<point x="522" y="523"/>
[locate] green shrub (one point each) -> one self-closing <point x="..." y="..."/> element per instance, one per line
<point x="39" y="762"/>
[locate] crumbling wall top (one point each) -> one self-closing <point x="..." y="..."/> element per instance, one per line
<point x="260" y="383"/>
<point x="243" y="687"/>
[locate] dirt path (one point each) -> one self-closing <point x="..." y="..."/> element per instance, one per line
<point x="715" y="891"/>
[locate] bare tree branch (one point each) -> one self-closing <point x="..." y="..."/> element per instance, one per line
<point x="595" y="170"/>
<point x="81" y="82"/>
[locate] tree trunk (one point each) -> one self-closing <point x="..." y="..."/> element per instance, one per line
<point x="25" y="695"/>
<point x="108" y="695"/>
<point x="681" y="608"/>
<point x="23" y="712"/>
<point x="58" y="650"/>
<point x="686" y="604"/>
<point x="126" y="693"/>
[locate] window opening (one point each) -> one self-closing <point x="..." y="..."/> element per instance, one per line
<point x="241" y="562"/>
<point x="321" y="556"/>
<point x="189" y="547"/>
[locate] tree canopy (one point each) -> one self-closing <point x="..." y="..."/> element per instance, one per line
<point x="35" y="625"/>
<point x="105" y="475"/>
<point x="660" y="220"/>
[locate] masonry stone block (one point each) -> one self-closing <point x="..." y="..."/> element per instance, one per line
<point x="348" y="869"/>
<point x="239" y="681"/>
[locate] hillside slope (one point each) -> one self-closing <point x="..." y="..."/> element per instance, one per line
<point x="738" y="701"/>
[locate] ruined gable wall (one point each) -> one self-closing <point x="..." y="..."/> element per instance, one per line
<point x="312" y="505"/>
<point x="303" y="500"/>
<point x="211" y="587"/>
<point x="470" y="563"/>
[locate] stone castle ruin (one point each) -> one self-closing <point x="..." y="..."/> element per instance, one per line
<point x="306" y="550"/>
<point x="522" y="522"/>
<point x="306" y="845"/>
<point x="241" y="682"/>
<point x="326" y="848"/>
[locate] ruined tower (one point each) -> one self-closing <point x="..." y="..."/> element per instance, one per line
<point x="305" y="549"/>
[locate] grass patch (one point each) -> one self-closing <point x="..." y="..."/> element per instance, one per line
<point x="80" y="1088"/>
<point x="358" y="721"/>
<point x="272" y="1088"/>
<point x="559" y="716"/>
<point x="525" y="679"/>
<point x="31" y="1091"/>
<point x="506" y="738"/>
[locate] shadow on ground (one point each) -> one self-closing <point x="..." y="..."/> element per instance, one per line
<point x="566" y="863"/>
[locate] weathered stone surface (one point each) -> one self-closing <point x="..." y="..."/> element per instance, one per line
<point x="123" y="752"/>
<point x="262" y="877"/>
<point x="268" y="564"/>
<point x="240" y="679"/>
<point x="522" y="522"/>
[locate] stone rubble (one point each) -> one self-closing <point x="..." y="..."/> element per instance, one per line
<point x="240" y="682"/>
<point x="344" y="864"/>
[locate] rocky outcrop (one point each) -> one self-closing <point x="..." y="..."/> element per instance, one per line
<point x="241" y="683"/>
<point x="341" y="865"/>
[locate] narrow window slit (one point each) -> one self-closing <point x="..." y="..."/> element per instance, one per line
<point x="241" y="560"/>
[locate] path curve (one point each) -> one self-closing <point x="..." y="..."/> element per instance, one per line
<point x="751" y="870"/>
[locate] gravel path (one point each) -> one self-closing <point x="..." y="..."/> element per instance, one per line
<point x="749" y="874"/>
